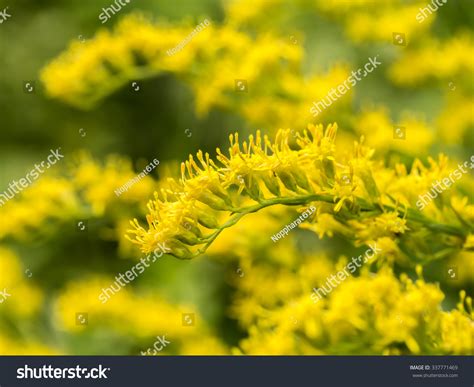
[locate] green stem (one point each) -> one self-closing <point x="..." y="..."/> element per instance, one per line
<point x="411" y="215"/>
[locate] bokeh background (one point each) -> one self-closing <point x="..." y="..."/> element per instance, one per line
<point x="245" y="293"/>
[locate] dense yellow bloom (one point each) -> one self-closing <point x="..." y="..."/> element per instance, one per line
<point x="457" y="330"/>
<point x="19" y="309"/>
<point x="277" y="93"/>
<point x="386" y="225"/>
<point x="371" y="314"/>
<point x="289" y="105"/>
<point x="216" y="195"/>
<point x="136" y="49"/>
<point x="207" y="191"/>
<point x="364" y="20"/>
<point x="265" y="287"/>
<point x="229" y="204"/>
<point x="381" y="24"/>
<point x="273" y="303"/>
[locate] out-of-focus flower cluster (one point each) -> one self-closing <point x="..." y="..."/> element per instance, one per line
<point x="279" y="92"/>
<point x="84" y="189"/>
<point x="136" y="49"/>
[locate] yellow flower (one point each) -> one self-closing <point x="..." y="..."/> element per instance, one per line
<point x="14" y="282"/>
<point x="30" y="209"/>
<point x="385" y="316"/>
<point x="101" y="185"/>
<point x="206" y="193"/>
<point x="136" y="49"/>
<point x="80" y="189"/>
<point x="386" y="225"/>
<point x="12" y="347"/>
<point x="381" y="132"/>
<point x="326" y="224"/>
<point x="145" y="322"/>
<point x="433" y="59"/>
<point x="366" y="20"/>
<point x="244" y="11"/>
<point x="456" y="120"/>
<point x="214" y="195"/>
<point x="458" y="328"/>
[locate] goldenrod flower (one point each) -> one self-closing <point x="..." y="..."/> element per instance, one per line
<point x="370" y="314"/>
<point x="280" y="93"/>
<point x="214" y="195"/>
<point x="136" y="49"/>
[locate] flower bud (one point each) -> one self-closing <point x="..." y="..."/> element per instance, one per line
<point x="188" y="237"/>
<point x="369" y="183"/>
<point x="288" y="181"/>
<point x="300" y="178"/>
<point x="212" y="201"/>
<point x="271" y="182"/>
<point x="252" y="188"/>
<point x="178" y="249"/>
<point x="206" y="220"/>
<point x="329" y="170"/>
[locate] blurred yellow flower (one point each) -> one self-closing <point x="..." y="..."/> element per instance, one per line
<point x="438" y="60"/>
<point x="24" y="299"/>
<point x="141" y="316"/>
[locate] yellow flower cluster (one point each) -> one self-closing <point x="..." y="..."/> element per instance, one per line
<point x="82" y="189"/>
<point x="370" y="314"/>
<point x="445" y="62"/>
<point x="438" y="60"/>
<point x="379" y="130"/>
<point x="230" y="205"/>
<point x="368" y="20"/>
<point x="33" y="206"/>
<point x="363" y="20"/>
<point x="457" y="331"/>
<point x="355" y="195"/>
<point x="98" y="184"/>
<point x="279" y="93"/>
<point x="272" y="301"/>
<point x="276" y="91"/>
<point x="19" y="309"/>
<point x="456" y="120"/>
<point x="17" y="287"/>
<point x="141" y="316"/>
<point x="136" y="49"/>
<point x="424" y="58"/>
